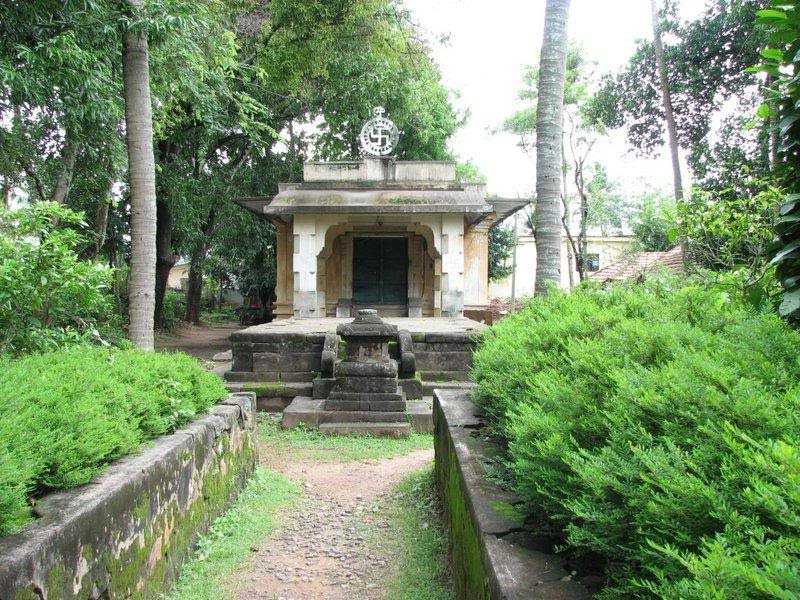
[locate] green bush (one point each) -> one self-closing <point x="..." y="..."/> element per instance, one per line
<point x="659" y="426"/>
<point x="173" y="309"/>
<point x="65" y="415"/>
<point x="49" y="297"/>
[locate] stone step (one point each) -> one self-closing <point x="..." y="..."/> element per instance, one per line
<point x="396" y="430"/>
<point x="429" y="386"/>
<point x="355" y="405"/>
<point x="361" y="416"/>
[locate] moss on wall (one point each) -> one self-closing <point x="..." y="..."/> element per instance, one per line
<point x="133" y="545"/>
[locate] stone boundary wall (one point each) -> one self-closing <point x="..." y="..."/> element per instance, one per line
<point x="126" y="534"/>
<point x="494" y="557"/>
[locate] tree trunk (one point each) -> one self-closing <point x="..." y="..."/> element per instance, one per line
<point x="142" y="180"/>
<point x="549" y="128"/>
<point x="666" y="98"/>
<point x="194" y="291"/>
<point x="64" y="180"/>
<point x="165" y="258"/>
<point x="5" y="194"/>
<point x="100" y="223"/>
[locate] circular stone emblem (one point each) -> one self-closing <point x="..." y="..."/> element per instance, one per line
<point x="379" y="136"/>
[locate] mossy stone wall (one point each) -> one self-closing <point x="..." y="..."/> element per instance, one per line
<point x="127" y="534"/>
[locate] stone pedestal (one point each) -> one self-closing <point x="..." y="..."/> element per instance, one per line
<point x="366" y="390"/>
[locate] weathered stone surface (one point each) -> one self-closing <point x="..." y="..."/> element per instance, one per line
<point x="444" y="361"/>
<point x="300" y="376"/>
<point x="329" y="354"/>
<point x="412" y="388"/>
<point x="374" y="405"/>
<point x="489" y="560"/>
<point x="443" y="375"/>
<point x="408" y="363"/>
<point x="368" y="398"/>
<point x="285" y="363"/>
<point x="370" y="369"/>
<point x="127" y="533"/>
<point x="302" y="410"/>
<point x="365" y="385"/>
<point x="397" y="430"/>
<point x="323" y="387"/>
<point x="362" y="416"/>
<point x="421" y="414"/>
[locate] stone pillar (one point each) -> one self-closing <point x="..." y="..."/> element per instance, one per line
<point x="305" y="268"/>
<point x="284" y="287"/>
<point x="416" y="275"/>
<point x="345" y="305"/>
<point x="476" y="264"/>
<point x="452" y="251"/>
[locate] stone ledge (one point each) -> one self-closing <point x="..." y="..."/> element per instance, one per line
<point x="127" y="532"/>
<point x="493" y="557"/>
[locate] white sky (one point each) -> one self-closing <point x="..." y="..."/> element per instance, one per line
<point x="491" y="42"/>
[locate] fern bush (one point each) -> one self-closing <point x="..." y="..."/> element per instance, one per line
<point x="659" y="426"/>
<point x="65" y="415"/>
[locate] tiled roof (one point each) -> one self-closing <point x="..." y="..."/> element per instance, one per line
<point x="637" y="264"/>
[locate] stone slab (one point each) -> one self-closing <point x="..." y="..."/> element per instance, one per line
<point x="286" y="362"/>
<point x="412" y="388"/>
<point x="397" y="430"/>
<point x="302" y="410"/>
<point x="433" y="329"/>
<point x="421" y="415"/>
<point x="361" y="416"/>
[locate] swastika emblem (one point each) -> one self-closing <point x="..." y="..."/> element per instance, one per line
<point x="379" y="136"/>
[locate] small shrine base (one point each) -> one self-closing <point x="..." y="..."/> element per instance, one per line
<point x="290" y="364"/>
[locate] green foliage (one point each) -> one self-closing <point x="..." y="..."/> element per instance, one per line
<point x="655" y="223"/>
<point x="781" y="61"/>
<point x="657" y="424"/>
<point x="502" y="241"/>
<point x="65" y="415"/>
<point x="173" y="309"/>
<point x="49" y="297"/>
<point x="724" y="230"/>
<point x="706" y="64"/>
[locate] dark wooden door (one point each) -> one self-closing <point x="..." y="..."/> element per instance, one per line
<point x="380" y="270"/>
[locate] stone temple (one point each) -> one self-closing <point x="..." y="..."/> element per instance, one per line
<point x="400" y="245"/>
<point x="405" y="238"/>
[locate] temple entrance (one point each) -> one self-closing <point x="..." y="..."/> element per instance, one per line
<point x="380" y="274"/>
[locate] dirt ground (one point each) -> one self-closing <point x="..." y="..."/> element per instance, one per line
<point x="322" y="551"/>
<point x="201" y="341"/>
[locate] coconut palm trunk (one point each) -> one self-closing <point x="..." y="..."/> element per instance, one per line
<point x="142" y="179"/>
<point x="666" y="99"/>
<point x="549" y="128"/>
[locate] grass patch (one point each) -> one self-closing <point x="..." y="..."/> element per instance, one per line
<point x="316" y="446"/>
<point x="229" y="541"/>
<point x="419" y="545"/>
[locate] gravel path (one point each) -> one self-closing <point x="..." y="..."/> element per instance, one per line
<point x="322" y="550"/>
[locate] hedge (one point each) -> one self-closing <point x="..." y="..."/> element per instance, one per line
<point x="658" y="426"/>
<point x="65" y="415"/>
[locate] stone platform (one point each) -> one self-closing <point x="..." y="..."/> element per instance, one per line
<point x="289" y="365"/>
